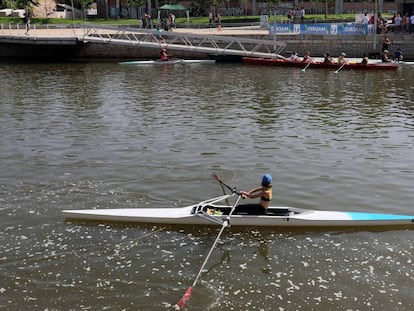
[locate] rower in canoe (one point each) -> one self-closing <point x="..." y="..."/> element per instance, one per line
<point x="164" y="56"/>
<point x="341" y="59"/>
<point x="264" y="192"/>
<point x="307" y="58"/>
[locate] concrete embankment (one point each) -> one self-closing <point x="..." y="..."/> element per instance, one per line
<point x="353" y="46"/>
<point x="63" y="44"/>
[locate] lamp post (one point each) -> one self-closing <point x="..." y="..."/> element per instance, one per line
<point x="374" y="26"/>
<point x="73" y="10"/>
<point x="274" y="34"/>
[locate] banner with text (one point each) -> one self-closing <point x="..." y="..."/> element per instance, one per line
<point x="321" y="29"/>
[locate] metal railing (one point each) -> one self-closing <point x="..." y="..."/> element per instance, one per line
<point x="152" y="38"/>
<point x="204" y="43"/>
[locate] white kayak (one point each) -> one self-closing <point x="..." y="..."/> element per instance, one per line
<point x="211" y="212"/>
<point x="169" y="62"/>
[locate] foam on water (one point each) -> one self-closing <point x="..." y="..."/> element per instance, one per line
<point x="101" y="136"/>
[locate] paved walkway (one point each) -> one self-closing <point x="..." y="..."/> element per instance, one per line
<point x="226" y="31"/>
<point x="43" y="33"/>
<point x="79" y="32"/>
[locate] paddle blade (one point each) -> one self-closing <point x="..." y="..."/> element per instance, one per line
<point x="180" y="304"/>
<point x="216" y="177"/>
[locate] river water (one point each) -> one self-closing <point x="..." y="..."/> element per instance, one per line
<point x="101" y="135"/>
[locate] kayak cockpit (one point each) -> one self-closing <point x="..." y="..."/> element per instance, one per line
<point x="245" y="209"/>
<point x="213" y="208"/>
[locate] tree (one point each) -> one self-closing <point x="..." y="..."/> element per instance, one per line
<point x="206" y="4"/>
<point x="83" y="4"/>
<point x="137" y="4"/>
<point x="328" y="4"/>
<point x="19" y="4"/>
<point x="271" y="3"/>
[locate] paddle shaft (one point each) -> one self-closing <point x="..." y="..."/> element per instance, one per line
<point x="306" y="67"/>
<point x="342" y="66"/>
<point x="233" y="190"/>
<point x="226" y="222"/>
<point x="224" y="192"/>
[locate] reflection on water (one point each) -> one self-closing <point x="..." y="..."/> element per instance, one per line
<point x="104" y="136"/>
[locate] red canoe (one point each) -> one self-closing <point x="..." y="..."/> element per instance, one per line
<point x="288" y="63"/>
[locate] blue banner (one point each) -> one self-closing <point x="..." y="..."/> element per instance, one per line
<point x="321" y="29"/>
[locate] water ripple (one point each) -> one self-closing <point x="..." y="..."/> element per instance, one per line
<point x="104" y="136"/>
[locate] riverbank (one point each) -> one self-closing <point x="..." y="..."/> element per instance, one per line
<point x="65" y="43"/>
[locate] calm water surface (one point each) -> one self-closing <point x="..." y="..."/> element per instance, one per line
<point x="103" y="136"/>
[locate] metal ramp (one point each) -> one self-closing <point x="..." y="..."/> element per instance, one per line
<point x="211" y="44"/>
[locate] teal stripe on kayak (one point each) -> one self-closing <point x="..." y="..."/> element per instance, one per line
<point x="372" y="216"/>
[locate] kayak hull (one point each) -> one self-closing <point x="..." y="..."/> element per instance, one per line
<point x="287" y="63"/>
<point x="276" y="217"/>
<point x="169" y="62"/>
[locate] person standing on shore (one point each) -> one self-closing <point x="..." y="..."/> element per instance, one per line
<point x="144" y="21"/>
<point x="289" y="16"/>
<point x="405" y="23"/>
<point x="365" y="19"/>
<point x="210" y="19"/>
<point x="412" y="23"/>
<point x="26" y="20"/>
<point x="397" y="23"/>
<point x="302" y="15"/>
<point x="218" y="19"/>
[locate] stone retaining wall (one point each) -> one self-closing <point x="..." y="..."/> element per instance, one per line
<point x="353" y="46"/>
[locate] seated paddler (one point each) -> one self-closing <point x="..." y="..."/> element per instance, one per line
<point x="264" y="192"/>
<point x="164" y="56"/>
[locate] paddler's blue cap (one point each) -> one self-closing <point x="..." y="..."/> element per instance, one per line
<point x="266" y="180"/>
